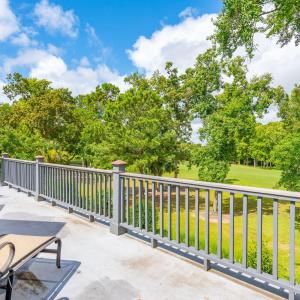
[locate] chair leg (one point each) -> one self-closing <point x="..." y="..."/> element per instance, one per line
<point x="58" y="255"/>
<point x="9" y="286"/>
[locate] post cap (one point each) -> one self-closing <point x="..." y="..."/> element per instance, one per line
<point x="119" y="163"/>
<point x="39" y="158"/>
<point x="5" y="155"/>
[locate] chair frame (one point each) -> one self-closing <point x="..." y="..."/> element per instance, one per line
<point x="8" y="274"/>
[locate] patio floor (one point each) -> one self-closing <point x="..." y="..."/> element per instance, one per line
<point x="100" y="265"/>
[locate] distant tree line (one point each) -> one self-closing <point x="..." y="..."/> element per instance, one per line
<point x="149" y="125"/>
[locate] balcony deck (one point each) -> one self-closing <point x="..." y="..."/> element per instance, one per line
<point x="100" y="265"/>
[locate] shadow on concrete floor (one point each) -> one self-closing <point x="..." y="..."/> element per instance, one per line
<point x="40" y="228"/>
<point x="40" y="279"/>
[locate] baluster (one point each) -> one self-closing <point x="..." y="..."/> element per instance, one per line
<point x="109" y="196"/>
<point x="146" y="205"/>
<point x="153" y="208"/>
<point x="231" y="212"/>
<point x="197" y="219"/>
<point x="127" y="201"/>
<point x="100" y="194"/>
<point x="133" y="203"/>
<point x="52" y="183"/>
<point x="207" y="250"/>
<point x="219" y="195"/>
<point x="97" y="193"/>
<point x="169" y="214"/>
<point x="259" y="235"/>
<point x="80" y="190"/>
<point x="105" y="188"/>
<point x="178" y="214"/>
<point x="140" y="203"/>
<point x="245" y="230"/>
<point x="187" y="218"/>
<point x="161" y="205"/>
<point x="122" y="185"/>
<point x="275" y="238"/>
<point x="87" y="184"/>
<point x="92" y="193"/>
<point x="292" y="248"/>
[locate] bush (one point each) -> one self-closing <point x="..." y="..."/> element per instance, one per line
<point x="267" y="260"/>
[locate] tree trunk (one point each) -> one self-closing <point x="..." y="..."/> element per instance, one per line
<point x="215" y="203"/>
<point x="255" y="162"/>
<point x="176" y="172"/>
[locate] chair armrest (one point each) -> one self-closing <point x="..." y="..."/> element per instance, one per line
<point x="5" y="268"/>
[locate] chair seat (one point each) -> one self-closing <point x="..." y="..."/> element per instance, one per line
<point x="25" y="247"/>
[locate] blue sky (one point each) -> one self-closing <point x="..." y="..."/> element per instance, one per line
<point x="117" y="25"/>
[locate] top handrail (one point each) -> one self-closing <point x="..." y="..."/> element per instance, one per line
<point x="252" y="191"/>
<point x="20" y="160"/>
<point x="61" y="166"/>
<point x="94" y="170"/>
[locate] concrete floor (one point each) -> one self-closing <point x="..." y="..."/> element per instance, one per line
<point x="119" y="267"/>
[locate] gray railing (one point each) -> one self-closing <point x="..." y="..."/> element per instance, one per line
<point x="173" y="211"/>
<point x="85" y="190"/>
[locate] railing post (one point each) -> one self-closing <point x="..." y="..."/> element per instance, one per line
<point x="4" y="156"/>
<point x="115" y="227"/>
<point x="38" y="159"/>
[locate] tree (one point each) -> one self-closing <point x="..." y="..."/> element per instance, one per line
<point x="266" y="138"/>
<point x="240" y="20"/>
<point x="43" y="109"/>
<point x="176" y="99"/>
<point x="138" y="128"/>
<point x="22" y="143"/>
<point x="228" y="108"/>
<point x="89" y="112"/>
<point x="286" y="154"/>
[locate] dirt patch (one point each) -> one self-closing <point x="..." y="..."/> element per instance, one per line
<point x="29" y="284"/>
<point x="108" y="289"/>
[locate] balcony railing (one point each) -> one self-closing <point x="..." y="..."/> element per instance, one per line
<point x="174" y="211"/>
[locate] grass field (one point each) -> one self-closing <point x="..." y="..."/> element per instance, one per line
<point x="249" y="176"/>
<point x="238" y="174"/>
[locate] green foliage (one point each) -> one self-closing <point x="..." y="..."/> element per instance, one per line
<point x="240" y="20"/>
<point x="267" y="258"/>
<point x="43" y="110"/>
<point x="139" y="128"/>
<point x="209" y="168"/>
<point x="228" y="110"/>
<point x="286" y="157"/>
<point x="286" y="154"/>
<point x="265" y="139"/>
<point x="22" y="143"/>
<point x="143" y="218"/>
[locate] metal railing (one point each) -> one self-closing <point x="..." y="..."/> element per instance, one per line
<point x="84" y="190"/>
<point x="174" y="211"/>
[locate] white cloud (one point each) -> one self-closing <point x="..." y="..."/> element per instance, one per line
<point x="54" y="19"/>
<point x="188" y="12"/>
<point x="180" y="43"/>
<point x="196" y="125"/>
<point x="45" y="65"/>
<point x="283" y="63"/>
<point x="8" y="21"/>
<point x="3" y="98"/>
<point x="23" y="40"/>
<point x="84" y="62"/>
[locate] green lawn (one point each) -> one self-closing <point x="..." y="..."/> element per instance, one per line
<point x="238" y="174"/>
<point x="249" y="176"/>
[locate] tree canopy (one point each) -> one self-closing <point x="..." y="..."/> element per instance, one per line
<point x="240" y="20"/>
